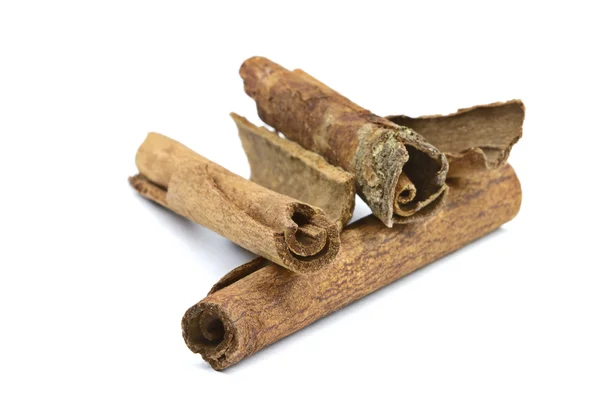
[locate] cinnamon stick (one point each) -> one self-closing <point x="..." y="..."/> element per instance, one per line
<point x="286" y="167"/>
<point x="374" y="149"/>
<point x="260" y="303"/>
<point x="473" y="139"/>
<point x="288" y="232"/>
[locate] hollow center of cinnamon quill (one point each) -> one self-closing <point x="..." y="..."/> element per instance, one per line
<point x="415" y="188"/>
<point x="405" y="192"/>
<point x="212" y="329"/>
<point x="308" y="238"/>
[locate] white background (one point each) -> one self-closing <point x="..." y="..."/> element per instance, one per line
<point x="94" y="280"/>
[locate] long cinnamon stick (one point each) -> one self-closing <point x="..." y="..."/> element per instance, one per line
<point x="288" y="232"/>
<point x="374" y="149"/>
<point x="286" y="167"/>
<point x="473" y="139"/>
<point x="260" y="303"/>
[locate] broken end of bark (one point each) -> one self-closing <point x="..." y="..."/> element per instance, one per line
<point x="426" y="171"/>
<point x="286" y="167"/>
<point x="209" y="331"/>
<point x="311" y="240"/>
<point x="403" y="180"/>
<point x="379" y="161"/>
<point x="474" y="139"/>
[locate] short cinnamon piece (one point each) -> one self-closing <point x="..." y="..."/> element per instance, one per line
<point x="288" y="232"/>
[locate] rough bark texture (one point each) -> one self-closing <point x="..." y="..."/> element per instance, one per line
<point x="374" y="149"/>
<point x="473" y="139"/>
<point x="260" y="303"/>
<point x="287" y="168"/>
<point x="288" y="232"/>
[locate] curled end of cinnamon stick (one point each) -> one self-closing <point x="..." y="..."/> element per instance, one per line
<point x="422" y="181"/>
<point x="401" y="175"/>
<point x="310" y="240"/>
<point x="209" y="331"/>
<point x="405" y="193"/>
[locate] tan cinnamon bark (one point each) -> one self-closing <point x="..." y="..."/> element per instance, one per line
<point x="288" y="232"/>
<point x="473" y="139"/>
<point x="260" y="303"/>
<point x="374" y="149"/>
<point x="287" y="168"/>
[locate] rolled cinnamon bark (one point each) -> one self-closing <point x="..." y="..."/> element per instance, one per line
<point x="473" y="139"/>
<point x="260" y="303"/>
<point x="288" y="168"/>
<point x="288" y="232"/>
<point x="374" y="149"/>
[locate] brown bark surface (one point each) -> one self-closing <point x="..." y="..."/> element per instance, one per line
<point x="287" y="168"/>
<point x="288" y="232"/>
<point x="473" y="139"/>
<point x="260" y="303"/>
<point x="374" y="149"/>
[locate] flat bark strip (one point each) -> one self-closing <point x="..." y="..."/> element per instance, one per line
<point x="260" y="303"/>
<point x="287" y="168"/>
<point x="286" y="231"/>
<point x="473" y="139"/>
<point x="374" y="149"/>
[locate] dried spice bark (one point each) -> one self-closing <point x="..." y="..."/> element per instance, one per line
<point x="287" y="168"/>
<point x="288" y="232"/>
<point x="473" y="139"/>
<point x="260" y="303"/>
<point x="374" y="149"/>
